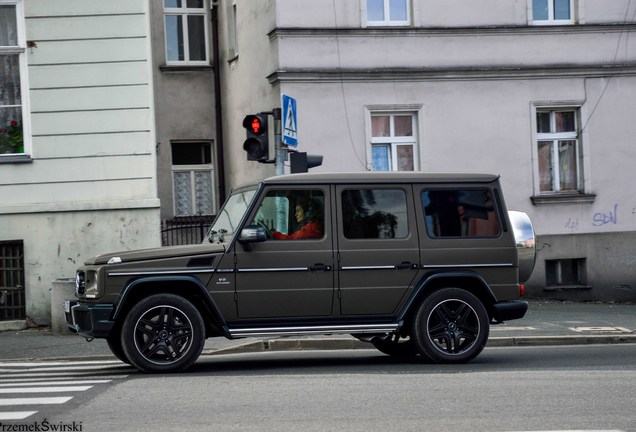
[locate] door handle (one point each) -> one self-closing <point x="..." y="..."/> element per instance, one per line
<point x="405" y="265"/>
<point x="319" y="267"/>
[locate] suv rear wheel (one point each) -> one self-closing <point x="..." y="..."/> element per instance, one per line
<point x="163" y="333"/>
<point x="451" y="326"/>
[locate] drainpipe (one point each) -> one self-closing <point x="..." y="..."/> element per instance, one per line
<point x="218" y="106"/>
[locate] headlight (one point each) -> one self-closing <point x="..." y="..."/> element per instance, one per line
<point x="80" y="283"/>
<point x="86" y="284"/>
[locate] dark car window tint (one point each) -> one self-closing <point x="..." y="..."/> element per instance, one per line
<point x="374" y="214"/>
<point x="460" y="213"/>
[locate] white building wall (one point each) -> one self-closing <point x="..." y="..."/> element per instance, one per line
<point x="89" y="184"/>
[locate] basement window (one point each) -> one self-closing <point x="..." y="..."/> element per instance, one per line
<point x="566" y="274"/>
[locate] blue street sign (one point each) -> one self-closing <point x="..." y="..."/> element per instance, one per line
<point x="289" y="121"/>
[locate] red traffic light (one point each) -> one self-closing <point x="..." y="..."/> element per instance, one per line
<point x="257" y="138"/>
<point x="255" y="124"/>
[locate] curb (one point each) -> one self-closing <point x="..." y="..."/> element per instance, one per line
<point x="344" y="344"/>
<point x="560" y="340"/>
<point x="16" y="325"/>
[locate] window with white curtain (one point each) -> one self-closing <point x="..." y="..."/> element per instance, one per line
<point x="193" y="178"/>
<point x="393" y="142"/>
<point x="558" y="150"/>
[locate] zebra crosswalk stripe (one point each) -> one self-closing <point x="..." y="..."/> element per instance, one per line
<point x="35" y="401"/>
<point x="16" y="415"/>
<point x="27" y="385"/>
<point x="58" y="389"/>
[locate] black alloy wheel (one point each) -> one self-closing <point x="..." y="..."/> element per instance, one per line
<point x="163" y="333"/>
<point x="451" y="326"/>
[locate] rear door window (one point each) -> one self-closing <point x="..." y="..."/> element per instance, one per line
<point x="374" y="214"/>
<point x="460" y="213"/>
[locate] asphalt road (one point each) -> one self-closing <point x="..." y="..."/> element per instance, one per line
<point x="591" y="387"/>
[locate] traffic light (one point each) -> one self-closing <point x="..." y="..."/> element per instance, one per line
<point x="300" y="162"/>
<point x="257" y="142"/>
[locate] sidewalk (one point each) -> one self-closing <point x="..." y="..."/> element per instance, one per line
<point x="546" y="323"/>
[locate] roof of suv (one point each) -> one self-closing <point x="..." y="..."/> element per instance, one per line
<point x="382" y="177"/>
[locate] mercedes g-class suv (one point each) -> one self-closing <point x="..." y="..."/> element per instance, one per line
<point x="414" y="263"/>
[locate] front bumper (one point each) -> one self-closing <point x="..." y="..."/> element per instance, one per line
<point x="509" y="310"/>
<point x="89" y="320"/>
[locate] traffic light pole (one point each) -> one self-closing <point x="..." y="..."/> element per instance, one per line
<point x="280" y="152"/>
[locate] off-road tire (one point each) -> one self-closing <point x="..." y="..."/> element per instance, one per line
<point x="451" y="326"/>
<point x="163" y="333"/>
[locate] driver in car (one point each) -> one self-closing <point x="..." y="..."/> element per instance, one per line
<point x="308" y="227"/>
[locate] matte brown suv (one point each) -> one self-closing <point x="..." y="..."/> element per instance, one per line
<point x="414" y="263"/>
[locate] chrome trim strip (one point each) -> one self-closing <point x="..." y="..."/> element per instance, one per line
<point x="465" y="265"/>
<point x="157" y="272"/>
<point x="273" y="269"/>
<point x="380" y="267"/>
<point x="278" y="331"/>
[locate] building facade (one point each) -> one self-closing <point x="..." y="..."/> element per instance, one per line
<point x="189" y="176"/>
<point x="541" y="92"/>
<point x="77" y="141"/>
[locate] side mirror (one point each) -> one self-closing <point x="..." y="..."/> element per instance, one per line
<point x="252" y="234"/>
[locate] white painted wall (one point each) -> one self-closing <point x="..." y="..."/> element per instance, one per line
<point x="90" y="186"/>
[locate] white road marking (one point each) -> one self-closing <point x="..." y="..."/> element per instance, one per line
<point x="16" y="390"/>
<point x="51" y="378"/>
<point x="16" y="415"/>
<point x="601" y="329"/>
<point x="51" y="383"/>
<point x="35" y="401"/>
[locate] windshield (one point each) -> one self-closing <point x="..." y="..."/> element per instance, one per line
<point x="230" y="216"/>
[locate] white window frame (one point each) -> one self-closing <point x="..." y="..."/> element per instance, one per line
<point x="555" y="137"/>
<point x="388" y="22"/>
<point x="393" y="141"/>
<point x="20" y="50"/>
<point x="183" y="12"/>
<point x="551" y="20"/>
<point x="192" y="169"/>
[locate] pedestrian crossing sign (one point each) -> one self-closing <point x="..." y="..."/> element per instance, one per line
<point x="289" y="121"/>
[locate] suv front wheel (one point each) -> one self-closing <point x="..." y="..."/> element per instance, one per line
<point x="451" y="326"/>
<point x="163" y="333"/>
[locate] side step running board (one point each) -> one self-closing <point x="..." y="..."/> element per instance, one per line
<point x="307" y="330"/>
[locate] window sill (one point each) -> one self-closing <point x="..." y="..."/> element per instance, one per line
<point x="574" y="198"/>
<point x="15" y="158"/>
<point x="185" y="68"/>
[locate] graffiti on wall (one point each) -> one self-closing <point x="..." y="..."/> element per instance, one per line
<point x="609" y="218"/>
<point x="599" y="219"/>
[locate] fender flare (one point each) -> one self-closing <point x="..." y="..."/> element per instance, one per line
<point x="200" y="289"/>
<point x="428" y="283"/>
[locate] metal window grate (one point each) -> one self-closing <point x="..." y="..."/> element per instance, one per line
<point x="12" y="299"/>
